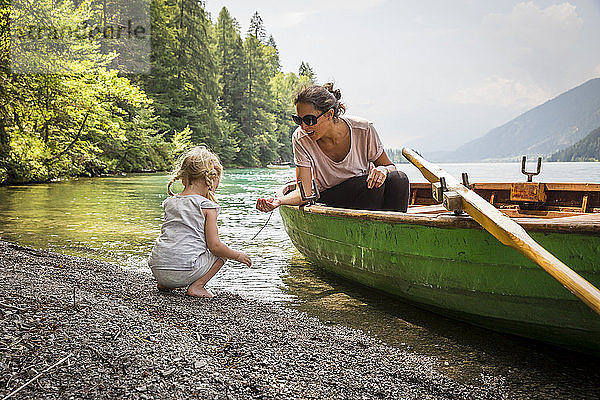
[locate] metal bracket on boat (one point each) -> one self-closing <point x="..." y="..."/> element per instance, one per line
<point x="438" y="189"/>
<point x="315" y="189"/>
<point x="530" y="175"/>
<point x="453" y="202"/>
<point x="465" y="180"/>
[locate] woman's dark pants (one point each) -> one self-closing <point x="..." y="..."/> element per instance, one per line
<point x="353" y="193"/>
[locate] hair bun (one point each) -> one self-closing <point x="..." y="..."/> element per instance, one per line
<point x="336" y="93"/>
<point x="322" y="98"/>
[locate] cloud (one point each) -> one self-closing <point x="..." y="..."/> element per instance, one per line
<point x="503" y="92"/>
<point x="533" y="48"/>
<point x="286" y="18"/>
<point x="291" y="19"/>
<point x="529" y="31"/>
<point x="343" y="5"/>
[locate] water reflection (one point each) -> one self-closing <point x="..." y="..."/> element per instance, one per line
<point x="85" y="217"/>
<point x="472" y="355"/>
<point x="118" y="219"/>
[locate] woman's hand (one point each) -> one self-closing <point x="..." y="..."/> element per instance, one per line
<point x="377" y="177"/>
<point x="266" y="205"/>
<point x="243" y="258"/>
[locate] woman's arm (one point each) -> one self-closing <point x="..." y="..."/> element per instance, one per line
<point x="383" y="166"/>
<point x="214" y="244"/>
<point x="293" y="198"/>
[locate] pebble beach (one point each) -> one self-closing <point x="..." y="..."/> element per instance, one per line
<point x="79" y="328"/>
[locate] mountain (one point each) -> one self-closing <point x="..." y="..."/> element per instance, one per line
<point x="587" y="149"/>
<point x="541" y="131"/>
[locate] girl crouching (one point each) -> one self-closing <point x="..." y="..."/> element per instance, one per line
<point x="188" y="252"/>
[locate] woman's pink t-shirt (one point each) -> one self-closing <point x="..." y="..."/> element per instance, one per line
<point x="365" y="147"/>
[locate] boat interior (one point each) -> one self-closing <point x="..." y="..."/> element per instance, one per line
<point x="521" y="199"/>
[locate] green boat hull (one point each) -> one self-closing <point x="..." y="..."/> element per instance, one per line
<point x="464" y="273"/>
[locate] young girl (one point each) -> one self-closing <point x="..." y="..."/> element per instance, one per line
<point x="188" y="251"/>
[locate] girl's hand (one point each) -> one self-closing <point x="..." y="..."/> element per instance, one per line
<point x="377" y="177"/>
<point x="266" y="205"/>
<point x="243" y="258"/>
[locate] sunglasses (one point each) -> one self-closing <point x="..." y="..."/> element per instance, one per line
<point x="309" y="119"/>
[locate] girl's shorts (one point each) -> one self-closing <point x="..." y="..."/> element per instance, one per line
<point x="176" y="278"/>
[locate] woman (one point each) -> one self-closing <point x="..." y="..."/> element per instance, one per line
<point x="345" y="156"/>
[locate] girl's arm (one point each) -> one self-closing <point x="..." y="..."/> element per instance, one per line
<point x="218" y="248"/>
<point x="293" y="198"/>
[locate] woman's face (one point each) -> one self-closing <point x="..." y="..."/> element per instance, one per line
<point x="316" y="131"/>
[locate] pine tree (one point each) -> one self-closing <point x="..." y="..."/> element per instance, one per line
<point x="273" y="54"/>
<point x="257" y="28"/>
<point x="283" y="89"/>
<point x="306" y="70"/>
<point x="257" y="121"/>
<point x="231" y="65"/>
<point x="233" y="82"/>
<point x="183" y="81"/>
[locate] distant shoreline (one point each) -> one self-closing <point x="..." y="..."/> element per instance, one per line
<point x="111" y="175"/>
<point x="124" y="174"/>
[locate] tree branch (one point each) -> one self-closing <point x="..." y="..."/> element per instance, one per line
<point x="55" y="157"/>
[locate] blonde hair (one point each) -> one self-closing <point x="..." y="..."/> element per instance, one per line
<point x="198" y="163"/>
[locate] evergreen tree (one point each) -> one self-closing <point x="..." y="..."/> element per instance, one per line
<point x="183" y="81"/>
<point x="283" y="89"/>
<point x="306" y="70"/>
<point x="233" y="82"/>
<point x="257" y="121"/>
<point x="586" y="149"/>
<point x="257" y="28"/>
<point x="273" y="54"/>
<point x="231" y="66"/>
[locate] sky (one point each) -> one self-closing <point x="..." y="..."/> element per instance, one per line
<point x="434" y="74"/>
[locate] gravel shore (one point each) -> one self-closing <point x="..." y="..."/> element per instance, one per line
<point x="80" y="328"/>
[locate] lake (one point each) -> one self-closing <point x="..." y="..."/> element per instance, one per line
<point x="117" y="219"/>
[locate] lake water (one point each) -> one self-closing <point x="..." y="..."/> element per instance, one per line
<point x="117" y="219"/>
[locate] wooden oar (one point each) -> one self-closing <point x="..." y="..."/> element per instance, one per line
<point x="509" y="232"/>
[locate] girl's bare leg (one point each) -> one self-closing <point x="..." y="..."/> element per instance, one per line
<point x="197" y="288"/>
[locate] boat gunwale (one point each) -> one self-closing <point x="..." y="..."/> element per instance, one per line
<point x="584" y="223"/>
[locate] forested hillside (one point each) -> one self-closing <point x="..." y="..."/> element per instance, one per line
<point x="541" y="131"/>
<point x="396" y="156"/>
<point x="587" y="149"/>
<point x="208" y="84"/>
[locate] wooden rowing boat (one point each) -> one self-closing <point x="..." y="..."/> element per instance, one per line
<point x="279" y="166"/>
<point x="449" y="264"/>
